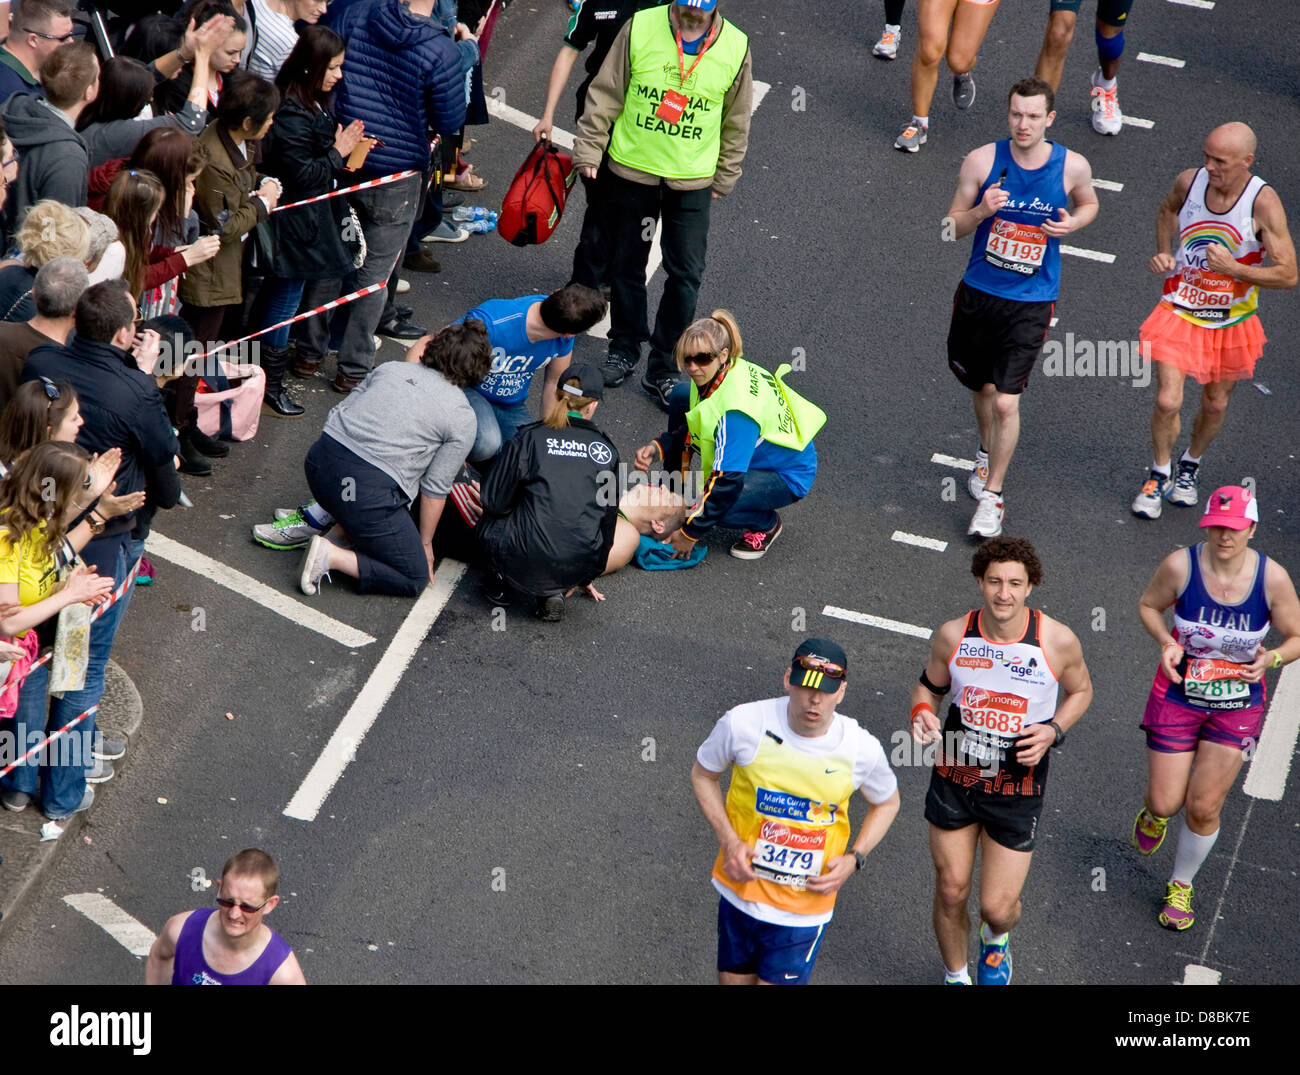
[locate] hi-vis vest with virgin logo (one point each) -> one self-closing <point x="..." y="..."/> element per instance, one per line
<point x="687" y="149"/>
<point x="784" y="417"/>
<point x="795" y="816"/>
<point x="1205" y="298"/>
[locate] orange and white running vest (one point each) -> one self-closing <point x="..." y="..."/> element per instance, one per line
<point x="1205" y="298"/>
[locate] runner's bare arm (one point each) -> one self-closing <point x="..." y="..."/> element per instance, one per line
<point x="288" y="973"/>
<point x="1283" y="610"/>
<point x="158" y="967"/>
<point x="925" y="724"/>
<point x="1162" y="264"/>
<point x="1078" y="185"/>
<point x="1270" y="219"/>
<point x="874" y="826"/>
<point x="968" y="209"/>
<point x="739" y="855"/>
<point x="1161" y="592"/>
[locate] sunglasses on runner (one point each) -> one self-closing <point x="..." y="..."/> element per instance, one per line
<point x="820" y="664"/>
<point x="699" y="360"/>
<point x="247" y="908"/>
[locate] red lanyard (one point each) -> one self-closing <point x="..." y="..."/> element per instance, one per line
<point x="681" y="53"/>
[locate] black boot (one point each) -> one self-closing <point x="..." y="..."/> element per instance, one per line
<point x="192" y="460"/>
<point x="274" y="362"/>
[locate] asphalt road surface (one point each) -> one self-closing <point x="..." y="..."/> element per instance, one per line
<point x="520" y="809"/>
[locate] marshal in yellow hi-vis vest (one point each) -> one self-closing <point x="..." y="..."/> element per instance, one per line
<point x="687" y="148"/>
<point x="795" y="817"/>
<point x="783" y="416"/>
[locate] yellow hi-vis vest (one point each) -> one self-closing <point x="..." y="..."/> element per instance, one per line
<point x="795" y="816"/>
<point x="784" y="417"/>
<point x="689" y="148"/>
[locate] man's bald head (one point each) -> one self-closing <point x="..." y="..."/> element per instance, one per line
<point x="1235" y="138"/>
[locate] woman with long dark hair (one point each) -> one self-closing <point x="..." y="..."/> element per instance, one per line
<point x="111" y="125"/>
<point x="224" y="57"/>
<point x="307" y="151"/>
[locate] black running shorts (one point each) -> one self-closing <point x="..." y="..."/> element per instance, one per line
<point x="1111" y="12"/>
<point x="994" y="340"/>
<point x="1011" y="820"/>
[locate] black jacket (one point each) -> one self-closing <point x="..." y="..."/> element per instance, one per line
<point x="122" y="408"/>
<point x="550" y="505"/>
<point x="300" y="153"/>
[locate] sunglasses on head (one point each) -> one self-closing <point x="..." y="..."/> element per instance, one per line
<point x="810" y="663"/>
<point x="702" y="359"/>
<point x="247" y="908"/>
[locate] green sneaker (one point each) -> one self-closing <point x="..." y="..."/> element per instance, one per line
<point x="291" y="532"/>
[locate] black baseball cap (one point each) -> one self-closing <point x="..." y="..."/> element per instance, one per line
<point x="819" y="663"/>
<point x="591" y="382"/>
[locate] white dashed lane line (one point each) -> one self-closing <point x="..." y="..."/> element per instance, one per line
<point x="881" y="622"/>
<point x="130" y="933"/>
<point x="920" y="542"/>
<point x="1091" y="255"/>
<point x="1163" y="61"/>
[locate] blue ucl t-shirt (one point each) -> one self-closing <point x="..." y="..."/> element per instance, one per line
<point x="515" y="358"/>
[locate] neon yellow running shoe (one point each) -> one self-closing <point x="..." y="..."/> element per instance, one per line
<point x="1149" y="832"/>
<point x="1177" y="911"/>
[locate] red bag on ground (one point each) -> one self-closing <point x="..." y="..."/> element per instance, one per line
<point x="535" y="201"/>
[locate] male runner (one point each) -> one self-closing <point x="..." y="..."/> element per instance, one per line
<point x="1112" y="17"/>
<point x="1219" y="221"/>
<point x="1003" y="664"/>
<point x="784" y="830"/>
<point x="230" y="945"/>
<point x="1013" y="195"/>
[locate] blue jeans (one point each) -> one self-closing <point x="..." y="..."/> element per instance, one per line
<point x="65" y="784"/>
<point x="376" y="515"/>
<point x="280" y="301"/>
<point x="386" y="214"/>
<point x="497" y="424"/>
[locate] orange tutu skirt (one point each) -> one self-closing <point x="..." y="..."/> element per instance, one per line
<point x="1207" y="354"/>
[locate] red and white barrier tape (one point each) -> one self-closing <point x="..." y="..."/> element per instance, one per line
<point x="44" y="743"/>
<point x="382" y="181"/>
<point x="342" y="301"/>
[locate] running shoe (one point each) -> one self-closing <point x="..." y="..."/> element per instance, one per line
<point x="403" y="286"/>
<point x="995" y="961"/>
<point x="1177" y="911"/>
<point x="887" y="47"/>
<point x="314" y="565"/>
<point x="912" y="138"/>
<point x="106" y="748"/>
<point x="446" y="232"/>
<point x="100" y="773"/>
<point x="660" y="386"/>
<point x="963" y="90"/>
<point x="15" y="800"/>
<point x="550" y="609"/>
<point x="618" y="364"/>
<point x="1150" y="499"/>
<point x="1106" y="116"/>
<point x="987" y="520"/>
<point x="980" y="475"/>
<point x="86" y="801"/>
<point x="284" y="513"/>
<point x="291" y="531"/>
<point x="755" y="543"/>
<point x="1184" y="491"/>
<point x="956" y="981"/>
<point x="1149" y="832"/>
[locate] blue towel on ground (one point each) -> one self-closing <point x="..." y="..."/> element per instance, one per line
<point x="654" y="555"/>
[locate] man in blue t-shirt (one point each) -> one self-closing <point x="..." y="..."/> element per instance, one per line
<point x="527" y="334"/>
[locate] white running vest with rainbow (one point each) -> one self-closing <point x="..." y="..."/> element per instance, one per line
<point x="1197" y="294"/>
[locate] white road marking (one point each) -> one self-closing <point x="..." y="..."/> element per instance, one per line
<point x="1195" y="974"/>
<point x="1204" y="5"/>
<point x="1107" y="184"/>
<point x="877" y="621"/>
<point x="952" y="461"/>
<point x="133" y="935"/>
<point x="1145" y="124"/>
<point x="1052" y="323"/>
<point x="365" y="709"/>
<point x="523" y="120"/>
<point x="1271" y="761"/>
<point x="1091" y="255"/>
<point x="760" y="91"/>
<point x="164" y="548"/>
<point x="1163" y="61"/>
<point x="919" y="541"/>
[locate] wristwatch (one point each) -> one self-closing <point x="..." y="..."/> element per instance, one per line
<point x="861" y="860"/>
<point x="95" y="522"/>
<point x="1060" y="735"/>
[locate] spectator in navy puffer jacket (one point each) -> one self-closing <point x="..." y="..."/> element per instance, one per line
<point x="402" y="78"/>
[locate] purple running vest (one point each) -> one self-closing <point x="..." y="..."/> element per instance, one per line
<point x="189" y="967"/>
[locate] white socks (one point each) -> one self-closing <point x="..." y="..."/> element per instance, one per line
<point x="1192" y="852"/>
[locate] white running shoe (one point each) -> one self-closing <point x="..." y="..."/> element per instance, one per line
<point x="987" y="520"/>
<point x="979" y="476"/>
<point x="315" y="565"/>
<point x="887" y="47"/>
<point x="1184" y="491"/>
<point x="1106" y="116"/>
<point x="1151" y="497"/>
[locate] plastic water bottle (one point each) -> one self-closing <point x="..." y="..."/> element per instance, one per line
<point x="484" y="226"/>
<point x="464" y="214"/>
